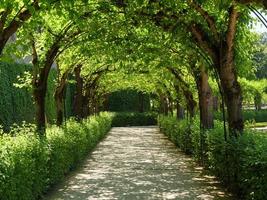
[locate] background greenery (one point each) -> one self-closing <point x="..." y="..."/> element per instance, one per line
<point x="16" y="103"/>
<point x="127" y="101"/>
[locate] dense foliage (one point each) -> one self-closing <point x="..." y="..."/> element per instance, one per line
<point x="30" y="165"/>
<point x="121" y="119"/>
<point x="240" y="163"/>
<point x="16" y="103"/>
<point x="128" y="101"/>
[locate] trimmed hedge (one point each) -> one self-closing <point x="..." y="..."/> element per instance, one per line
<point x="121" y="119"/>
<point x="29" y="165"/>
<point x="127" y="101"/>
<point x="16" y="104"/>
<point x="240" y="163"/>
<point x="249" y="115"/>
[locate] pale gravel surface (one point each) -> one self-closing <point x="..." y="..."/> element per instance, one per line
<point x="137" y="163"/>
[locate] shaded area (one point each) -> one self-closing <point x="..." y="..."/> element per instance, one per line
<point x="138" y="163"/>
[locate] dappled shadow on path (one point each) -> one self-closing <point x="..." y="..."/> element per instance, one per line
<point x="138" y="163"/>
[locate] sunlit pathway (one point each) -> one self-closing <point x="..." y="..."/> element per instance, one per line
<point x="138" y="163"/>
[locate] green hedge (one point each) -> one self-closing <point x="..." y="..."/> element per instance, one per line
<point x="16" y="104"/>
<point x="134" y="119"/>
<point x="239" y="163"/>
<point x="29" y="165"/>
<point x="249" y="115"/>
<point x="127" y="101"/>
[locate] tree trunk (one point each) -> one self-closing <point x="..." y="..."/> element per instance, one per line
<point x="7" y="30"/>
<point x="59" y="99"/>
<point x="205" y="99"/>
<point x="86" y="103"/>
<point x="106" y="102"/>
<point x="141" y="102"/>
<point x="161" y="104"/>
<point x="222" y="51"/>
<point x="3" y="42"/>
<point x="39" y="93"/>
<point x="232" y="96"/>
<point x="190" y="102"/>
<point x="165" y="106"/>
<point x="179" y="111"/>
<point x="97" y="101"/>
<point x="78" y="98"/>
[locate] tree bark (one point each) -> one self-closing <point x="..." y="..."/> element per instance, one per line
<point x="179" y="111"/>
<point x="161" y="103"/>
<point x="205" y="99"/>
<point x="78" y="98"/>
<point x="106" y="102"/>
<point x="39" y="83"/>
<point x="141" y="102"/>
<point x="6" y="31"/>
<point x="39" y="93"/>
<point x="222" y="55"/>
<point x="165" y="106"/>
<point x="59" y="99"/>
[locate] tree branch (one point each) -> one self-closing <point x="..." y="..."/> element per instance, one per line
<point x="208" y="18"/>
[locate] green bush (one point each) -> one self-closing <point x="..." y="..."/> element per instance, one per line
<point x="29" y="165"/>
<point x="249" y="115"/>
<point x="240" y="163"/>
<point x="134" y="119"/>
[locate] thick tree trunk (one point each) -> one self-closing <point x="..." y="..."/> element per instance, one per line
<point x="39" y="93"/>
<point x="78" y="98"/>
<point x="222" y="51"/>
<point x="205" y="102"/>
<point x="205" y="99"/>
<point x="232" y="94"/>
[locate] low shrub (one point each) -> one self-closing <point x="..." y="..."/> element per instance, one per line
<point x="240" y="163"/>
<point x="134" y="119"/>
<point x="249" y="115"/>
<point x="30" y="165"/>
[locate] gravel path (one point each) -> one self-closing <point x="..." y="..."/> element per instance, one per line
<point x="137" y="163"/>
